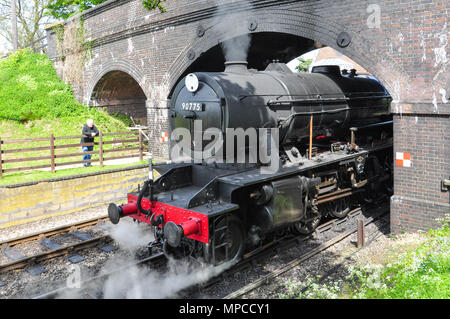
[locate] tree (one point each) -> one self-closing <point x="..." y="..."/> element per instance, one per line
<point x="154" y="4"/>
<point x="30" y="18"/>
<point x="304" y="65"/>
<point x="14" y="32"/>
<point x="63" y="9"/>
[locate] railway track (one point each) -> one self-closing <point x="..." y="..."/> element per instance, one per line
<point x="51" y="249"/>
<point x="329" y="233"/>
<point x="297" y="261"/>
<point x="155" y="259"/>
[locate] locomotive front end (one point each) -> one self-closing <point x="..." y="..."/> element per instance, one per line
<point x="173" y="223"/>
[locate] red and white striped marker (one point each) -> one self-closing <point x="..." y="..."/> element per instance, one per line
<point x="164" y="137"/>
<point x="403" y="159"/>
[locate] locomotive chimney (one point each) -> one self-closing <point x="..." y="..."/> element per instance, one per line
<point x="236" y="67"/>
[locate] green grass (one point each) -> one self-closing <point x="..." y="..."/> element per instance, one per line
<point x="25" y="177"/>
<point x="35" y="103"/>
<point x="30" y="89"/>
<point x="422" y="271"/>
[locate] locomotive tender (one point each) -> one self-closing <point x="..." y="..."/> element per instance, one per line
<point x="335" y="152"/>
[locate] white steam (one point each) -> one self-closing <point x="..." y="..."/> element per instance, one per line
<point x="128" y="281"/>
<point x="236" y="49"/>
<point x="226" y="22"/>
<point x="131" y="236"/>
<point x="144" y="283"/>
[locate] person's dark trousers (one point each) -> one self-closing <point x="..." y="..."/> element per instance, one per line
<point x="87" y="157"/>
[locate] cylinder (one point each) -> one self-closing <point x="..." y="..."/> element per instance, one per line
<point x="115" y="213"/>
<point x="190" y="227"/>
<point x="174" y="233"/>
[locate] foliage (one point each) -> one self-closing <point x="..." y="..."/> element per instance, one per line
<point x="154" y="4"/>
<point x="30" y="89"/>
<point x="304" y="65"/>
<point x="310" y="289"/>
<point x="63" y="9"/>
<point x="32" y="93"/>
<point x="30" y="21"/>
<point x="419" y="273"/>
<point x="125" y="119"/>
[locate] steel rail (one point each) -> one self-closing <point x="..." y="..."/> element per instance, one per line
<point x="54" y="231"/>
<point x="282" y="244"/>
<point x="160" y="256"/>
<point x="274" y="246"/>
<point x="335" y="268"/>
<point x="50" y="254"/>
<point x="55" y="293"/>
<point x="242" y="291"/>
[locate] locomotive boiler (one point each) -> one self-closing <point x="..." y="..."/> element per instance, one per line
<point x="334" y="152"/>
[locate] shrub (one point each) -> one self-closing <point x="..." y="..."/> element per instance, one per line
<point x="30" y="91"/>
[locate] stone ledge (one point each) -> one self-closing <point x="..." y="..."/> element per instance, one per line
<point x="420" y="108"/>
<point x="65" y="178"/>
<point x="22" y="204"/>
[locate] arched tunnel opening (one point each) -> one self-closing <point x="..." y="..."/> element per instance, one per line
<point x="268" y="46"/>
<point x="120" y="94"/>
<point x="265" y="48"/>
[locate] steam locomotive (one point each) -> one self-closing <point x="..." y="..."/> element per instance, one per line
<point x="333" y="152"/>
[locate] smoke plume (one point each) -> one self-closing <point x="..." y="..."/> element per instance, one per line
<point x="139" y="282"/>
<point x="144" y="283"/>
<point x="131" y="236"/>
<point x="227" y="23"/>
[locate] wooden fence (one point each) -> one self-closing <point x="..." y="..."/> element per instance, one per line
<point x="127" y="143"/>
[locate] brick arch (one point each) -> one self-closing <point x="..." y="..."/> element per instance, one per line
<point x="301" y="24"/>
<point x="112" y="66"/>
<point x="120" y="87"/>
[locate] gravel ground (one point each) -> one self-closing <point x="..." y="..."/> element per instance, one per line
<point x="318" y="265"/>
<point x="60" y="271"/>
<point x="52" y="222"/>
<point x="20" y="284"/>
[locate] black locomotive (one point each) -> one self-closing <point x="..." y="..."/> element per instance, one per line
<point x="334" y="152"/>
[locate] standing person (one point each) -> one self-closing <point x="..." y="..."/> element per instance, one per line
<point x="89" y="132"/>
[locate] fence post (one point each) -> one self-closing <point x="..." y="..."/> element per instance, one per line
<point x="360" y="233"/>
<point x="1" y="169"/>
<point x="100" y="142"/>
<point x="52" y="151"/>
<point x="141" y="155"/>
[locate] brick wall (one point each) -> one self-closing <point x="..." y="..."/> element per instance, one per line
<point x="419" y="201"/>
<point x="134" y="108"/>
<point x="23" y="204"/>
<point x="407" y="50"/>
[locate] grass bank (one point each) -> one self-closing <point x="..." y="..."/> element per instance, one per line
<point x="35" y="103"/>
<point x="32" y="176"/>
<point x="410" y="266"/>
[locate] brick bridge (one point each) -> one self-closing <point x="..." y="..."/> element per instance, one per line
<point x="138" y="56"/>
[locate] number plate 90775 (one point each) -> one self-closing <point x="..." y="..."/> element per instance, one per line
<point x="197" y="107"/>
